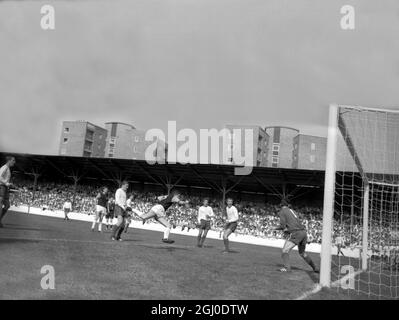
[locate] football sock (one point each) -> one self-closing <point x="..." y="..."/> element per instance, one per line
<point x="166" y="233"/>
<point x="226" y="244"/>
<point x="310" y="262"/>
<point x="286" y="260"/>
<point x="203" y="240"/>
<point x="114" y="231"/>
<point x="100" y="226"/>
<point x="120" y="230"/>
<point x="199" y="239"/>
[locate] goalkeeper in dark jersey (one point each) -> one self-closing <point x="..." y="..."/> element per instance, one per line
<point x="296" y="235"/>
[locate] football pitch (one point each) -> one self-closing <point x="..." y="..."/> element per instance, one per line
<point x="88" y="265"/>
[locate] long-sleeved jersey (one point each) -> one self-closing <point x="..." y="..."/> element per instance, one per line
<point x="289" y="220"/>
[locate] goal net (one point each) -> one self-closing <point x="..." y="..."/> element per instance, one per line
<point x="360" y="243"/>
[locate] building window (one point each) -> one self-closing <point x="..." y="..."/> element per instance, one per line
<point x="66" y="130"/>
<point x="136" y="139"/>
<point x="134" y="149"/>
<point x="100" y="136"/>
<point x="110" y="155"/>
<point x="89" y="135"/>
<point x="312" y="158"/>
<point x="313" y="146"/>
<point x="88" y="145"/>
<point x="65" y="140"/>
<point x="275" y="160"/>
<point x="276" y="147"/>
<point x="63" y="151"/>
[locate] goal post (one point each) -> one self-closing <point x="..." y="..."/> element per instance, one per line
<point x="365" y="238"/>
<point x="328" y="206"/>
<point x="361" y="201"/>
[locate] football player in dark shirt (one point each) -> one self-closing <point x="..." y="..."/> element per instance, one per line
<point x="101" y="209"/>
<point x="109" y="217"/>
<point x="296" y="234"/>
<point x="158" y="212"/>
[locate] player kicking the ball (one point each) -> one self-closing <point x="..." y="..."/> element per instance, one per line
<point x="205" y="213"/>
<point x="291" y="225"/>
<point x="231" y="225"/>
<point x="158" y="212"/>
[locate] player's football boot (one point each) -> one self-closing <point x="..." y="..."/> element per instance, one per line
<point x="168" y="241"/>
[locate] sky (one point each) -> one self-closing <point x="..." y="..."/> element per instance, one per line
<point x="202" y="63"/>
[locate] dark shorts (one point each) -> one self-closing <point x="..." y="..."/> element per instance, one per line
<point x="109" y="215"/>
<point x="232" y="226"/>
<point x="67" y="210"/>
<point x="300" y="238"/>
<point x="119" y="212"/>
<point x="204" y="224"/>
<point x="4" y="192"/>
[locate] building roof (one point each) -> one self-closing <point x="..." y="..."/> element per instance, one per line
<point x="212" y="176"/>
<point x="122" y="123"/>
<point x="282" y="127"/>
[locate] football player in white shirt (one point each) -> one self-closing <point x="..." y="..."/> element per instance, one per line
<point x="120" y="211"/>
<point x="205" y="213"/>
<point x="67" y="207"/>
<point x="231" y="225"/>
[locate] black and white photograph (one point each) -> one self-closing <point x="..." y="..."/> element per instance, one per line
<point x="198" y="157"/>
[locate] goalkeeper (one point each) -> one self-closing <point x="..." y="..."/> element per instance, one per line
<point x="296" y="235"/>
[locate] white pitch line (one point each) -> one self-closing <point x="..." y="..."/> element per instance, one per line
<point x="315" y="289"/>
<point x="155" y="246"/>
<point x="335" y="284"/>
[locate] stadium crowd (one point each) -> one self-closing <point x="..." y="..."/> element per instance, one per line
<point x="255" y="219"/>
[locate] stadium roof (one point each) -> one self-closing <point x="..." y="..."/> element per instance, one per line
<point x="218" y="177"/>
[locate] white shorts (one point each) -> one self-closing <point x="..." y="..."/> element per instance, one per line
<point x="159" y="210"/>
<point x="100" y="210"/>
